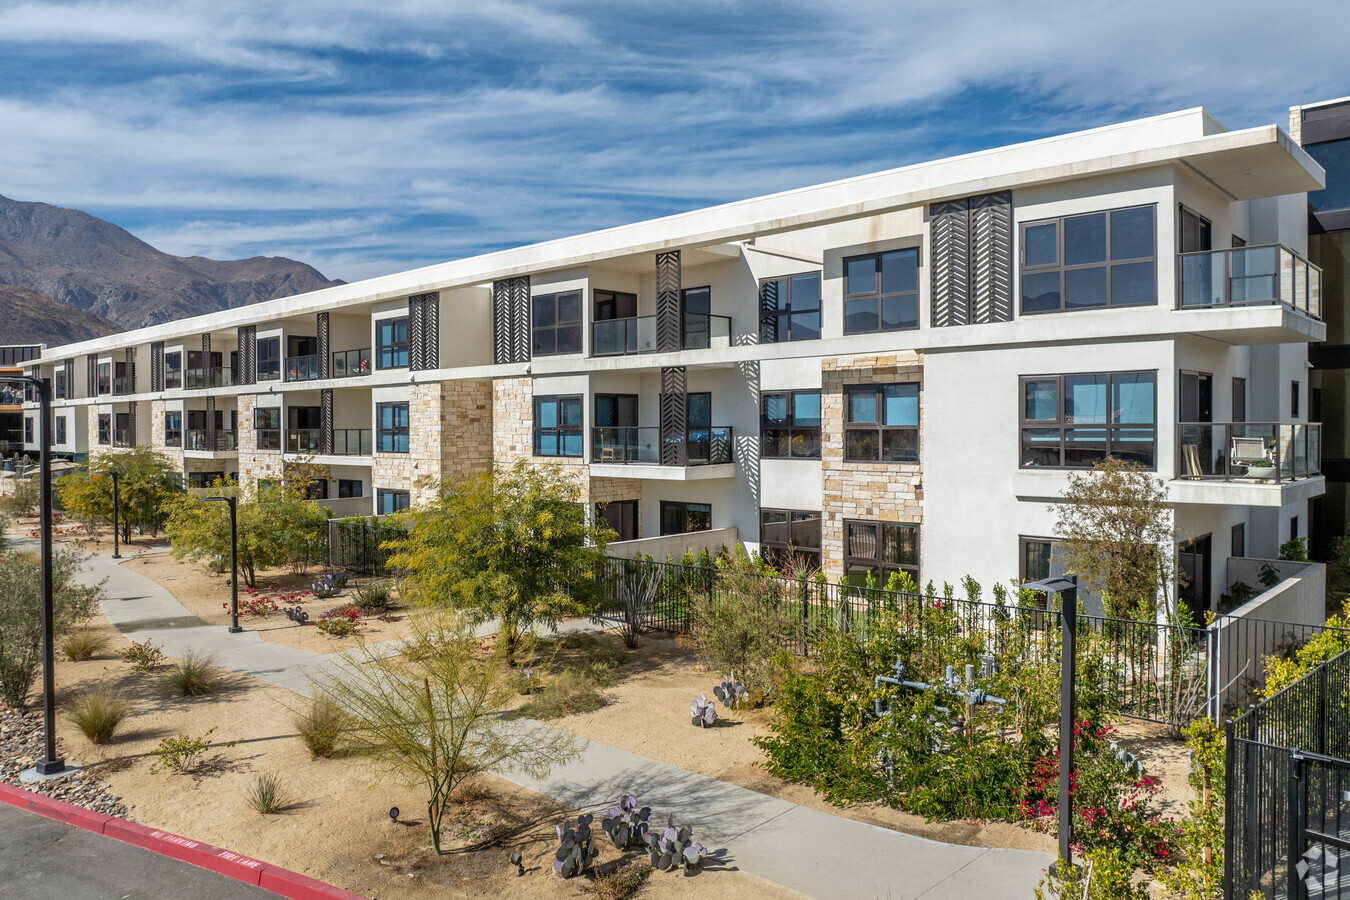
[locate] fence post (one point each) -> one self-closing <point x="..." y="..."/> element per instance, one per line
<point x="1212" y="698"/>
<point x="1230" y="808"/>
<point x="1323" y="708"/>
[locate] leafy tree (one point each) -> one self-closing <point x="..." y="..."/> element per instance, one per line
<point x="1324" y="646"/>
<point x="24" y="496"/>
<point x="1116" y="534"/>
<point x="436" y="712"/>
<point x="21" y="614"/>
<point x="146" y="482"/>
<point x="1198" y="875"/>
<point x="512" y="544"/>
<point x="276" y="526"/>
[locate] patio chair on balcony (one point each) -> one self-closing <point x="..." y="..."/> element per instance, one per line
<point x="1248" y="451"/>
<point x="607" y="451"/>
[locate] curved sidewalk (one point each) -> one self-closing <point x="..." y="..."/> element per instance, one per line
<point x="810" y="851"/>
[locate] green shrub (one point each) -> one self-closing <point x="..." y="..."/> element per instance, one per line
<point x="98" y="712"/>
<point x="183" y="753"/>
<point x="1295" y="550"/>
<point x="570" y="691"/>
<point x="1327" y="645"/>
<point x="266" y="796"/>
<point x="744" y="624"/>
<point x="83" y="644"/>
<point x="24" y="497"/>
<point x="21" y="614"/>
<point x="143" y="656"/>
<point x="624" y="882"/>
<point x="376" y="595"/>
<point x="321" y="727"/>
<point x="195" y="675"/>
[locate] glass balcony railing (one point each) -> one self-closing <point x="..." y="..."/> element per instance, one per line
<point x="268" y="438"/>
<point x="643" y="445"/>
<point x="1249" y="276"/>
<point x="123" y="385"/>
<point x="173" y="379"/>
<point x="200" y="439"/>
<point x="1249" y="451"/>
<point x="352" y="442"/>
<point x="623" y="337"/>
<point x="350" y="363"/>
<point x="302" y="368"/>
<point x="303" y="440"/>
<point x="200" y="379"/>
<point x="122" y="438"/>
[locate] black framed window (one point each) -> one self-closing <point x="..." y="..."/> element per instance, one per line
<point x="60" y="429"/>
<point x="882" y="423"/>
<point x="349" y="487"/>
<point x="881" y="291"/>
<point x="621" y="516"/>
<point x="105" y="378"/>
<point x="1294" y="399"/>
<point x="28" y="430"/>
<point x="267" y="426"/>
<point x="556" y="323"/>
<point x="789" y="308"/>
<point x="557" y="425"/>
<point x="388" y="502"/>
<point x="1073" y="421"/>
<point x="790" y="537"/>
<point x="105" y="428"/>
<point x="1089" y="261"/>
<point x="391" y="343"/>
<point x="391" y="432"/>
<point x="789" y="423"/>
<point x="1238" y="540"/>
<point x="1195" y="234"/>
<point x="173" y="370"/>
<point x="59" y="383"/>
<point x="268" y="359"/>
<point x="173" y="429"/>
<point x="879" y="549"/>
<point x="682" y="518"/>
<point x="209" y="479"/>
<point x="611" y="305"/>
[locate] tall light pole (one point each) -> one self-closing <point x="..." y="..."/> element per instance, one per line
<point x="51" y="764"/>
<point x="116" y="504"/>
<point x="1068" y="653"/>
<point x="234" y="563"/>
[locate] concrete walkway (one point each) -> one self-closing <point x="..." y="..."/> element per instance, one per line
<point x="816" y="853"/>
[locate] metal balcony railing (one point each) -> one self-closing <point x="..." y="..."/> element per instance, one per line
<point x="1249" y="276"/>
<point x="1274" y="452"/>
<point x="122" y="437"/>
<point x="643" y="445"/>
<point x="269" y="438"/>
<point x="623" y="337"/>
<point x="200" y="439"/>
<point x="123" y="385"/>
<point x="200" y="379"/>
<point x="302" y="368"/>
<point x="352" y="441"/>
<point x="350" y="363"/>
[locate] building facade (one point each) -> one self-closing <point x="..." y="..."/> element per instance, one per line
<point x="891" y="372"/>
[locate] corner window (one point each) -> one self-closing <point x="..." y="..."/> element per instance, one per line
<point x="879" y="549"/>
<point x="1073" y="421"/>
<point x="1085" y="262"/>
<point x="557" y="426"/>
<point x="789" y="308"/>
<point x="389" y="502"/>
<point x="267" y="425"/>
<point x="881" y="292"/>
<point x="391" y="435"/>
<point x="790" y="425"/>
<point x="790" y="537"/>
<point x="269" y="358"/>
<point x="391" y="343"/>
<point x="173" y="429"/>
<point x="882" y="423"/>
<point x="556" y="323"/>
<point x="682" y="518"/>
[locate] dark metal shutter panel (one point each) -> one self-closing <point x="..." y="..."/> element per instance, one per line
<point x="991" y="258"/>
<point x="91" y="374"/>
<point x="416" y="325"/>
<point x="520" y="318"/>
<point x="248" y="354"/>
<point x="210" y="417"/>
<point x="70" y="378"/>
<point x="673" y="415"/>
<point x="431" y="312"/>
<point x="501" y="322"/>
<point x="131" y="370"/>
<point x="668" y="300"/>
<point x="157" y="366"/>
<point x="326" y="420"/>
<point x="949" y="226"/>
<point x="325" y="344"/>
<point x="768" y="308"/>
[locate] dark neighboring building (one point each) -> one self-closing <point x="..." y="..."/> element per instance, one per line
<point x="11" y="401"/>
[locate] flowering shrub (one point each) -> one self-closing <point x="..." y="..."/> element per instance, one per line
<point x="261" y="605"/>
<point x="342" y="621"/>
<point x="143" y="656"/>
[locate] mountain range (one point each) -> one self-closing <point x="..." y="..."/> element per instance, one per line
<point x="108" y="280"/>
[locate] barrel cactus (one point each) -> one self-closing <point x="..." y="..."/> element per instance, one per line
<point x="626" y="825"/>
<point x="675" y="848"/>
<point x="703" y="711"/>
<point x="575" y="853"/>
<point x="732" y="694"/>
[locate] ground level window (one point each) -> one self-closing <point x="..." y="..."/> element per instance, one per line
<point x="60" y="429"/>
<point x="680" y="518"/>
<point x="387" y="502"/>
<point x="880" y="549"/>
<point x="105" y="428"/>
<point x="790" y="538"/>
<point x="204" y="479"/>
<point x="349" y="487"/>
<point x="621" y="516"/>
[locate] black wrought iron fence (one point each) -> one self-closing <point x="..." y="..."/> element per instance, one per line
<point x="356" y="544"/>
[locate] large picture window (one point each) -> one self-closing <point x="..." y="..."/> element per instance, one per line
<point x="173" y="370"/>
<point x="1085" y="262"/>
<point x="790" y="537"/>
<point x="267" y="426"/>
<point x="790" y="425"/>
<point x="269" y="360"/>
<point x="389" y="502"/>
<point x="60" y="429"/>
<point x="105" y="428"/>
<point x="556" y="323"/>
<point x="557" y="426"/>
<point x="391" y="435"/>
<point x="881" y="291"/>
<point x="789" y="308"/>
<point x="681" y="518"/>
<point x="391" y="343"/>
<point x="882" y="423"/>
<point x="1073" y="421"/>
<point x="879" y="549"/>
<point x="173" y="429"/>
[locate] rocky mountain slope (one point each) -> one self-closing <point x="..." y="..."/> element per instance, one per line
<point x="30" y="318"/>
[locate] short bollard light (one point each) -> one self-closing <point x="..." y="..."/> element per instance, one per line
<point x="518" y="861"/>
<point x="393" y="814"/>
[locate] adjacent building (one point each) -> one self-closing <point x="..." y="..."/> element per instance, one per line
<point x="895" y="371"/>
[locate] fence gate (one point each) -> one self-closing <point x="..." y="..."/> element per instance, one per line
<point x="1319" y="825"/>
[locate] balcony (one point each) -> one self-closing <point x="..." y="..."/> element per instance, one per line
<point x="350" y="363"/>
<point x="201" y="379"/>
<point x="696" y="453"/>
<point x="123" y="385"/>
<point x="199" y="440"/>
<point x="303" y="440"/>
<point x="268" y="438"/>
<point x="173" y="379"/>
<point x="1268" y="275"/>
<point x="1253" y="458"/>
<point x="302" y="368"/>
<point x="122" y="437"/>
<point x="625" y="337"/>
<point x="352" y="442"/>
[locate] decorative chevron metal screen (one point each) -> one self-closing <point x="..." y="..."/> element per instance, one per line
<point x="325" y="344"/>
<point x="210" y="423"/>
<point x="416" y="329"/>
<point x="668" y="300"/>
<point x="673" y="413"/>
<point x="248" y="354"/>
<point x="131" y="370"/>
<point x="157" y="366"/>
<point x="131" y="424"/>
<point x="326" y="420"/>
<point x="424" y="332"/>
<point x="206" y="349"/>
<point x="70" y="378"/>
<point x="511" y="320"/>
<point x="972" y="260"/>
<point x="91" y="375"/>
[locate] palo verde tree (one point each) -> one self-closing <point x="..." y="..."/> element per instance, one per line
<point x="146" y="483"/>
<point x="512" y="544"/>
<point x="277" y="526"/>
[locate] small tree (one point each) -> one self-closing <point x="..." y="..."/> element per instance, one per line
<point x="436" y="713"/>
<point x="1116" y="534"/>
<point x="147" y="483"/>
<point x="1198" y="875"/>
<point x="514" y="545"/>
<point x="21" y="614"/>
<point x="277" y="526"/>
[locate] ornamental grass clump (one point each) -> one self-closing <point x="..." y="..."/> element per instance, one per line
<point x="195" y="675"/>
<point x="266" y="796"/>
<point x="98" y="712"/>
<point x="321" y="726"/>
<point x="83" y="644"/>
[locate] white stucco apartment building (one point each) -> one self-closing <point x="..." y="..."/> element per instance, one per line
<point x="895" y="370"/>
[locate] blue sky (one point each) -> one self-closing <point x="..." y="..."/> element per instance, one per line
<point x="367" y="138"/>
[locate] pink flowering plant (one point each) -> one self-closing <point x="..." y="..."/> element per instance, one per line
<point x="261" y="604"/>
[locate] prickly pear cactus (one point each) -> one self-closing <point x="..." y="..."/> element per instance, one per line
<point x="703" y="711"/>
<point x="626" y="825"/>
<point x="732" y="694"/>
<point x="675" y="848"/>
<point x="575" y="853"/>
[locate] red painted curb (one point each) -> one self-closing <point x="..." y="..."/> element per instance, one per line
<point x="280" y="881"/>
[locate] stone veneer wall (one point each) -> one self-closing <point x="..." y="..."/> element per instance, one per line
<point x="450" y="434"/>
<point x="156" y="441"/>
<point x="889" y="492"/>
<point x="254" y="464"/>
<point x="92" y="420"/>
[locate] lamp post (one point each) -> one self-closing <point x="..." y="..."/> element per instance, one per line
<point x="51" y="764"/>
<point x="1068" y="617"/>
<point x="234" y="563"/>
<point x="116" y="553"/>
